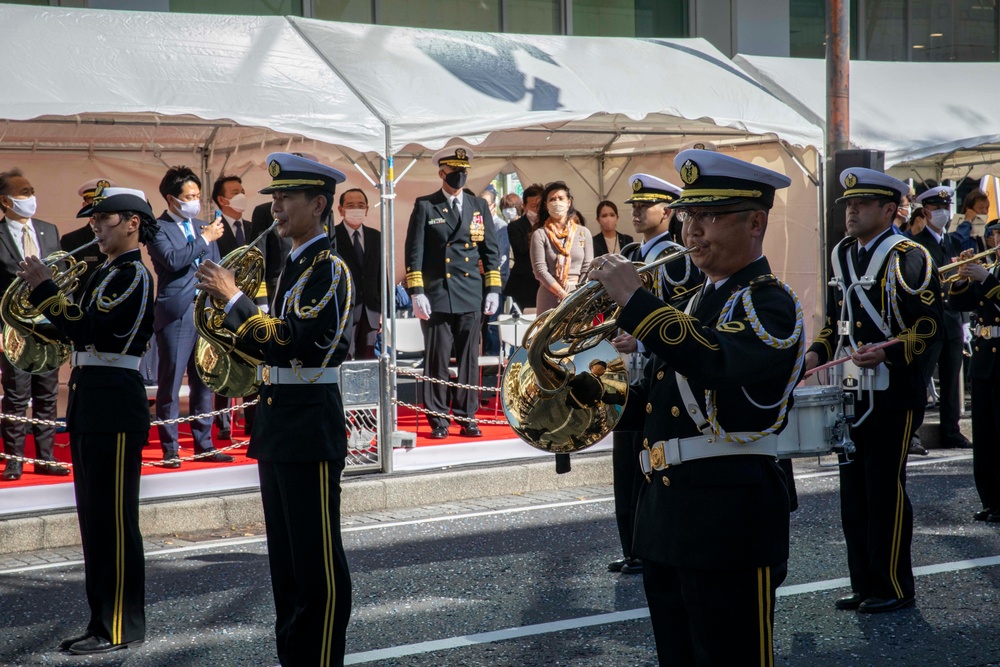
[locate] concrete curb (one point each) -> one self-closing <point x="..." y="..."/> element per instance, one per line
<point x="360" y="494"/>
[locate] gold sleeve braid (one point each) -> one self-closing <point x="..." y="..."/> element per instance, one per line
<point x="492" y="279"/>
<point x="414" y="279"/>
<point x="824" y="339"/>
<point x="913" y="339"/>
<point x="263" y="328"/>
<point x="674" y="327"/>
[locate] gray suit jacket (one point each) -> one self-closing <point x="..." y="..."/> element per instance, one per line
<point x="10" y="254"/>
<point x="174" y="262"/>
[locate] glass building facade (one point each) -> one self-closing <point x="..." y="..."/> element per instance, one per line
<point x="914" y="30"/>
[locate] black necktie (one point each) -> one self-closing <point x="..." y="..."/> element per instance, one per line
<point x="241" y="238"/>
<point x="709" y="288"/>
<point x="359" y="252"/>
<point x="454" y="205"/>
<point x="862" y="256"/>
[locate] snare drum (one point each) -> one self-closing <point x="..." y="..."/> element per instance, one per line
<point x="811" y="421"/>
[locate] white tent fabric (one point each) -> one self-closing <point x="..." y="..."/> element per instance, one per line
<point x="947" y="130"/>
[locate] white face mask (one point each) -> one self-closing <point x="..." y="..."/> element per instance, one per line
<point x="940" y="218"/>
<point x="238" y="203"/>
<point x="24" y="208"/>
<point x="188" y="209"/>
<point x="558" y="208"/>
<point x="355" y="216"/>
<point x="532" y="216"/>
<point x="509" y="214"/>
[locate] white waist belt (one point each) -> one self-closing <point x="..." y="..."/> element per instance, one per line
<point x="281" y="375"/>
<point x="676" y="451"/>
<point x="127" y="361"/>
<point x="986" y="332"/>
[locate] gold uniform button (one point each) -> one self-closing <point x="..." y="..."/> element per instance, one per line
<point x="269" y="400"/>
<point x="859" y="325"/>
<point x="466" y="245"/>
<point x="466" y="275"/>
<point x="645" y="443"/>
<point x="447" y="275"/>
<point x="659" y="376"/>
<point x="649" y="408"/>
<point x="466" y="259"/>
<point x="675" y="411"/>
<point x="447" y="260"/>
<point x="840" y="303"/>
<point x="74" y="386"/>
<point x="447" y="245"/>
<point x="666" y="481"/>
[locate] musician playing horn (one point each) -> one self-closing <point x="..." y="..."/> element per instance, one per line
<point x="712" y="519"/>
<point x="108" y="413"/>
<point x="885" y="287"/>
<point x="299" y="433"/>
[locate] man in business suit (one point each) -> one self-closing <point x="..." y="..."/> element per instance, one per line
<point x="522" y="285"/>
<point x="21" y="235"/>
<point x="943" y="248"/>
<point x="79" y="237"/>
<point x="181" y="243"/>
<point x="231" y="200"/>
<point x="360" y="247"/>
<point x="300" y="436"/>
<point x="449" y="232"/>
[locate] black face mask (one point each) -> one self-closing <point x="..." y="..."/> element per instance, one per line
<point x="456" y="179"/>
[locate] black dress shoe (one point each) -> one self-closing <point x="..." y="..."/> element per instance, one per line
<point x="51" y="469"/>
<point x="439" y="433"/>
<point x="617" y="565"/>
<point x="632" y="566"/>
<point x="471" y="431"/>
<point x="983" y="514"/>
<point x="850" y="603"/>
<point x="961" y="442"/>
<point x="12" y="471"/>
<point x="881" y="606"/>
<point x="92" y="645"/>
<point x="217" y="457"/>
<point x="66" y="643"/>
<point x="171" y="462"/>
<point x="224" y="434"/>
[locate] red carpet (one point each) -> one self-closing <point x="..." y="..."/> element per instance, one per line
<point x="407" y="422"/>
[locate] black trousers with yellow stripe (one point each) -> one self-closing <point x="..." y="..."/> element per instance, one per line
<point x="309" y="574"/>
<point x="875" y="511"/>
<point x="712" y="618"/>
<point x="106" y="470"/>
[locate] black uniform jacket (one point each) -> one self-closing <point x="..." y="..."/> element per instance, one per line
<point x="443" y="253"/>
<point x="299" y="422"/>
<point x="601" y="246"/>
<point x="920" y="332"/>
<point x="984" y="300"/>
<point x="117" y="304"/>
<point x="721" y="512"/>
<point x="944" y="253"/>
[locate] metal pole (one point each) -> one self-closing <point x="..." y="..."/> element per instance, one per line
<point x="387" y="360"/>
<point x="838" y="128"/>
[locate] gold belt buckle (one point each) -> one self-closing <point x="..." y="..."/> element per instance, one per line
<point x="265" y="375"/>
<point x="984" y="333"/>
<point x="657" y="460"/>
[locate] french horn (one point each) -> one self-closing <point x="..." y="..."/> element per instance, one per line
<point x="30" y="342"/>
<point x="565" y="389"/>
<point x="223" y="368"/>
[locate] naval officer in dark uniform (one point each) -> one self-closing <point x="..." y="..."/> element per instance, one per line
<point x="108" y="414"/>
<point x="886" y="287"/>
<point x="712" y="520"/>
<point x="83" y="235"/>
<point x="450" y="231"/>
<point x="299" y="433"/>
<point x="978" y="290"/>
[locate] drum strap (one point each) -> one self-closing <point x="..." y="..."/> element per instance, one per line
<point x="877" y="260"/>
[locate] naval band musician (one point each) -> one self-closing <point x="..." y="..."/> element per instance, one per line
<point x="902" y="300"/>
<point x="712" y="521"/>
<point x="978" y="290"/>
<point x="299" y="432"/>
<point x="108" y="413"/>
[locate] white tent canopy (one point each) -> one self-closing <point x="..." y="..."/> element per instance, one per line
<point x="934" y="133"/>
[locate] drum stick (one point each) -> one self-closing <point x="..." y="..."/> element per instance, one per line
<point x="844" y="360"/>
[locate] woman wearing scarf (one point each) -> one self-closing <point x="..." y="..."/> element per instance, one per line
<point x="561" y="247"/>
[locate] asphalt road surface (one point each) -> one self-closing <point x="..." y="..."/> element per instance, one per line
<point x="521" y="580"/>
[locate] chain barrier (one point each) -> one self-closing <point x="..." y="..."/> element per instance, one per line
<point x="146" y="464"/>
<point x="467" y="420"/>
<point x="447" y="383"/>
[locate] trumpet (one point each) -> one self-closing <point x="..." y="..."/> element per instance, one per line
<point x="979" y="257"/>
<point x="30" y="341"/>
<point x="223" y="368"/>
<point x="565" y="388"/>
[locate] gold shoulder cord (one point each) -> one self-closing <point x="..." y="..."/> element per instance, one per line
<point x="340" y="273"/>
<point x="104" y="304"/>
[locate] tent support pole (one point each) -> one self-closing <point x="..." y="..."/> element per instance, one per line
<point x="387" y="360"/>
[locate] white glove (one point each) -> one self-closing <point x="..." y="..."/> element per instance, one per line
<point x="492" y="303"/>
<point x="966" y="333"/>
<point x="421" y="306"/>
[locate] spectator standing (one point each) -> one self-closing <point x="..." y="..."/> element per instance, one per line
<point x="360" y="247"/>
<point x="561" y="247"/>
<point x="609" y="239"/>
<point x="522" y="286"/>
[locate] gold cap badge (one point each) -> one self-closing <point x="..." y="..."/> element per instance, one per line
<point x="460" y="153"/>
<point x="690" y="172"/>
<point x="850" y="180"/>
<point x="637" y="185"/>
<point x="274" y="168"/>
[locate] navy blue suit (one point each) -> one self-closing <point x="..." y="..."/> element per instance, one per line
<point x="174" y="260"/>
